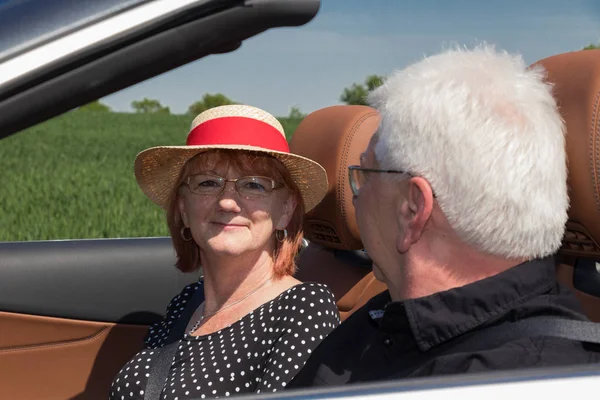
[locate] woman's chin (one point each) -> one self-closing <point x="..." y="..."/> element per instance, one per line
<point x="230" y="247"/>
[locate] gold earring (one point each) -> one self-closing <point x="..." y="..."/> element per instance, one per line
<point x="281" y="235"/>
<point x="183" y="236"/>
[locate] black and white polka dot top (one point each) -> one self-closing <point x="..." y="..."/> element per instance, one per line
<point x="261" y="352"/>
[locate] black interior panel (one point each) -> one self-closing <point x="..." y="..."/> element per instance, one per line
<point x="112" y="280"/>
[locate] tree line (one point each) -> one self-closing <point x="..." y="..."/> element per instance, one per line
<point x="153" y="106"/>
<point x="355" y="94"/>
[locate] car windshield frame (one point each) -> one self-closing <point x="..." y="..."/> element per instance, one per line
<point x="47" y="20"/>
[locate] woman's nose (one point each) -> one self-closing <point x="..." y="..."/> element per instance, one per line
<point x="229" y="198"/>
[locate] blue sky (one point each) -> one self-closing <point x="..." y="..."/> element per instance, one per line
<point x="309" y="66"/>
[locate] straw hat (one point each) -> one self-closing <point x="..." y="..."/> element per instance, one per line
<point x="237" y="127"/>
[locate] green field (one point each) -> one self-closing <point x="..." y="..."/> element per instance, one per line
<point x="72" y="177"/>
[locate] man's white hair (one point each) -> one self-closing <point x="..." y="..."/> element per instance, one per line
<point x="486" y="133"/>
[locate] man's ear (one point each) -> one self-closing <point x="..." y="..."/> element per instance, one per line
<point x="415" y="211"/>
<point x="289" y="206"/>
<point x="182" y="212"/>
<point x="420" y="203"/>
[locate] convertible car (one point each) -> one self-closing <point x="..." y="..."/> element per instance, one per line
<point x="73" y="312"/>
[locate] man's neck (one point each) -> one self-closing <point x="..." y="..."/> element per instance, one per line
<point x="424" y="274"/>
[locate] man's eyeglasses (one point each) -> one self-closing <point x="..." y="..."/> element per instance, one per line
<point x="247" y="186"/>
<point x="357" y="177"/>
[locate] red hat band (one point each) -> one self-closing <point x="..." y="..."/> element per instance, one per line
<point x="241" y="131"/>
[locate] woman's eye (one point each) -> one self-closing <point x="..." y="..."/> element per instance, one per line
<point x="254" y="186"/>
<point x="209" y="183"/>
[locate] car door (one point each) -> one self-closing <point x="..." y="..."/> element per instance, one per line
<point x="72" y="312"/>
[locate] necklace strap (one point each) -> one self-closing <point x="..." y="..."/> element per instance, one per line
<point x="204" y="316"/>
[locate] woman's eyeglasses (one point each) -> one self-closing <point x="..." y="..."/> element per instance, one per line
<point x="247" y="186"/>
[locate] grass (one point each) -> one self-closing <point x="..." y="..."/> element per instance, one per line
<point x="72" y="177"/>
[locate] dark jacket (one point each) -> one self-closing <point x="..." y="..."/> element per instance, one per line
<point x="387" y="340"/>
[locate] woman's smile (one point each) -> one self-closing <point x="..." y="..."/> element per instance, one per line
<point x="228" y="226"/>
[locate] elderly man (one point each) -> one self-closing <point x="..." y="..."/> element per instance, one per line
<point x="461" y="201"/>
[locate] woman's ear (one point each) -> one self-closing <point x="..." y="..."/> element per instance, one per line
<point x="289" y="206"/>
<point x="182" y="212"/>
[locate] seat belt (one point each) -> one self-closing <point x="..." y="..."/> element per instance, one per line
<point x="581" y="331"/>
<point x="159" y="371"/>
<point x="487" y="338"/>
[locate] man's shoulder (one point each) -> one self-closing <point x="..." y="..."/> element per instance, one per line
<point x="362" y="320"/>
<point x="336" y="357"/>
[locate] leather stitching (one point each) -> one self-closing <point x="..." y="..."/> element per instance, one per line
<point x="343" y="174"/>
<point x="12" y="349"/>
<point x="594" y="154"/>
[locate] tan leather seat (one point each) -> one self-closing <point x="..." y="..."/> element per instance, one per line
<point x="335" y="136"/>
<point x="576" y="77"/>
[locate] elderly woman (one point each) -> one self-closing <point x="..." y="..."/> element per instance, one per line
<point x="235" y="200"/>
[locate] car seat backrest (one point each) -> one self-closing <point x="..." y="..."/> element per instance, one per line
<point x="576" y="80"/>
<point x="334" y="137"/>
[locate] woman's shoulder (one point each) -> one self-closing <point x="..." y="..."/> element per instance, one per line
<point x="178" y="302"/>
<point x="310" y="289"/>
<point x="159" y="331"/>
<point x="188" y="291"/>
<point x="309" y="295"/>
<point x="308" y="309"/>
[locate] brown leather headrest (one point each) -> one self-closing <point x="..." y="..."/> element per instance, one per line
<point x="576" y="77"/>
<point x="334" y="137"/>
